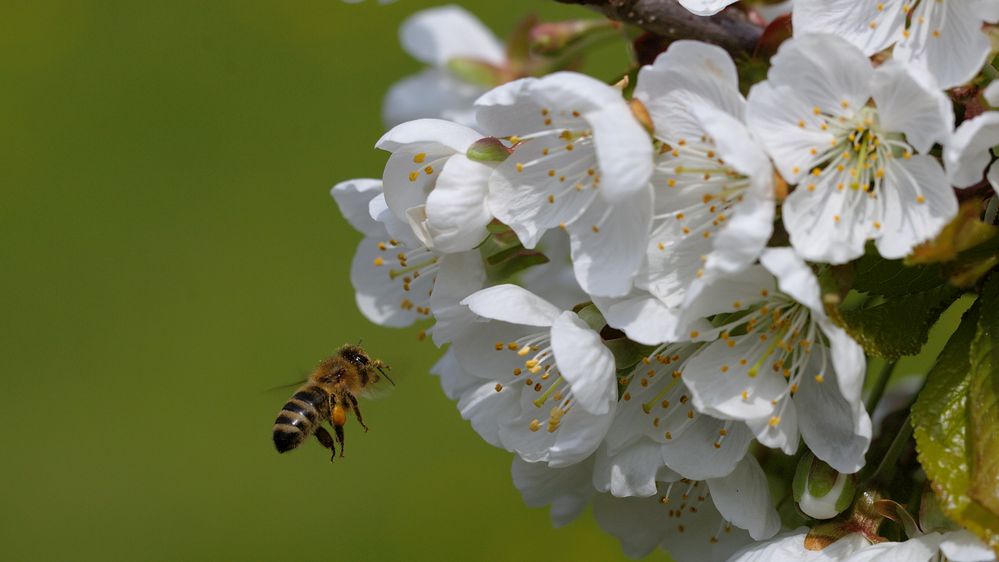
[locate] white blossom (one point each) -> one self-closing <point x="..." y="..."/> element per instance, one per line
<point x="549" y="384"/>
<point x="778" y="363"/>
<point x="430" y="183"/>
<point x="856" y="179"/>
<point x="582" y="162"/>
<point x="437" y="36"/>
<point x="943" y="36"/>
<point x="714" y="200"/>
<point x="397" y="280"/>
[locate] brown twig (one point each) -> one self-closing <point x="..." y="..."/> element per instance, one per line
<point x="730" y="29"/>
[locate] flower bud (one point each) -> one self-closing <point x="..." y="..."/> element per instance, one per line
<point x="489" y="149"/>
<point x="819" y="490"/>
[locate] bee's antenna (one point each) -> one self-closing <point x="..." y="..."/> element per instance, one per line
<point x="384" y="374"/>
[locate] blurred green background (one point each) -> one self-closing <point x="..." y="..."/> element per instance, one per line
<point x="169" y="252"/>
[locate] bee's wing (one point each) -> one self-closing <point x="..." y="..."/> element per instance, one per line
<point x="379" y="385"/>
<point x="287" y="386"/>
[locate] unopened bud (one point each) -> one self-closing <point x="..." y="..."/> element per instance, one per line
<point x="550" y="38"/>
<point x="489" y="149"/>
<point x="820" y="491"/>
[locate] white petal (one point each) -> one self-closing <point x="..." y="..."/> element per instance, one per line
<point x="692" y="452"/>
<point x="509" y="109"/>
<point x="743" y="497"/>
<point x="909" y="101"/>
<point x="585" y="363"/>
<point x="870" y="26"/>
<point x="921" y="549"/>
<point x="608" y="243"/>
<point x="577" y="436"/>
<point x="379" y="297"/>
<point x="475" y="350"/>
<point x="969" y="151"/>
<point x="353" y="198"/>
<point x="526" y="195"/>
<point x="790" y="547"/>
<point x="718" y="375"/>
<point x="785" y="435"/>
<point x="706" y="7"/>
<point x="512" y="304"/>
<point x="637" y="522"/>
<point x="437" y="35"/>
<point x="631" y="472"/>
<point x="721" y="295"/>
<point x="906" y="221"/>
<point x="454" y="380"/>
<point x="432" y="93"/>
<point x="399" y="230"/>
<point x="485" y="408"/>
<point x="825" y="69"/>
<point x="963" y="546"/>
<point x="829" y="224"/>
<point x="838" y="431"/>
<point x="568" y="490"/>
<point x="624" y="149"/>
<point x="448" y="135"/>
<point x="957" y="53"/>
<point x="456" y="209"/>
<point x="459" y="276"/>
<point x="642" y="317"/>
<point x="775" y="113"/>
<point x="794" y="277"/>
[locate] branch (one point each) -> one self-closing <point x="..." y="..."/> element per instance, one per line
<point x="730" y="29"/>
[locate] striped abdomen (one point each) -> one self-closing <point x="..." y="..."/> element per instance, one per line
<point x="299" y="417"/>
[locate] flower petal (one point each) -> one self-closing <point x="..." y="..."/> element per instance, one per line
<point x="437" y="35"/>
<point x="693" y="452"/>
<point x="794" y="277"/>
<point x="870" y="26"/>
<point x="963" y="546"/>
<point x="970" y="150"/>
<point x="513" y="304"/>
<point x="608" y="244"/>
<point x="568" y="490"/>
<point x="454" y="380"/>
<point x="630" y="472"/>
<point x="585" y="363"/>
<point x="918" y="202"/>
<point x="353" y="197"/>
<point x="642" y="317"/>
<point x="706" y="7"/>
<point x="456" y="208"/>
<point x="432" y="93"/>
<point x="743" y="497"/>
<point x="484" y="407"/>
<point x="825" y="69"/>
<point x="909" y="101"/>
<point x="459" y="276"/>
<point x="954" y="51"/>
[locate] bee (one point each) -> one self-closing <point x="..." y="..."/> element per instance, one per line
<point x="330" y="392"/>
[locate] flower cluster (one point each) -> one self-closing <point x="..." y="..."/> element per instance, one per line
<point x="632" y="280"/>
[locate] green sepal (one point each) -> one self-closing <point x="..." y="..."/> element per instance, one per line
<point x="627" y="353"/>
<point x="589" y="313"/>
<point x="475" y="71"/>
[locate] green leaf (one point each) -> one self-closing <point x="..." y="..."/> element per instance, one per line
<point x="900" y="325"/>
<point x="983" y="416"/>
<point x="891" y="278"/>
<point x="940" y="422"/>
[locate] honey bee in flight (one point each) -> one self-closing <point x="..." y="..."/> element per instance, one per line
<point x="328" y="395"/>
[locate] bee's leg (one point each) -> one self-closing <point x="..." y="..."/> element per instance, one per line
<point x="326" y="439"/>
<point x="338" y="417"/>
<point x="357" y="411"/>
<point x="339" y="437"/>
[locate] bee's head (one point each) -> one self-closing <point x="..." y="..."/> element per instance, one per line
<point x="355" y="355"/>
